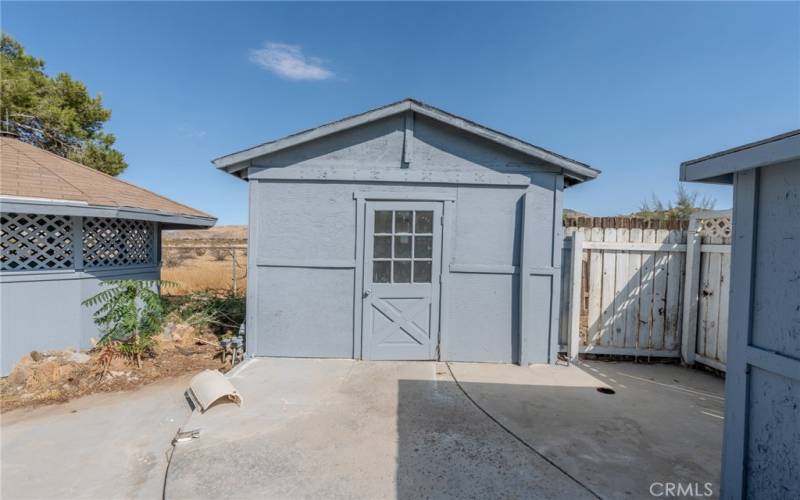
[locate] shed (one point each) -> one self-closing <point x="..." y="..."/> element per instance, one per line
<point x="66" y="228"/>
<point x="761" y="446"/>
<point x="404" y="233"/>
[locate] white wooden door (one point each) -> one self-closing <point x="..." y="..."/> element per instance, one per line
<point x="402" y="266"/>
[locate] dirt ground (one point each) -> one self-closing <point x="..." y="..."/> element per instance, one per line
<point x="58" y="376"/>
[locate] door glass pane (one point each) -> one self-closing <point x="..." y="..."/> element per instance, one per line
<point x="381" y="271"/>
<point x="383" y="221"/>
<point x="402" y="221"/>
<point x="422" y="271"/>
<point x="382" y="247"/>
<point x="423" y="247"/>
<point x="402" y="271"/>
<point x="424" y="222"/>
<point x="402" y="247"/>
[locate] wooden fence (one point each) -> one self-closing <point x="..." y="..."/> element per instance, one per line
<point x="645" y="288"/>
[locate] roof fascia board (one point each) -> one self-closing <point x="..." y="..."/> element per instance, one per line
<point x="310" y="135"/>
<point x="81" y="209"/>
<point x="719" y="167"/>
<point x="572" y="169"/>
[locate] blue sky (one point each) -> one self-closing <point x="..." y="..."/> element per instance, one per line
<point x="630" y="88"/>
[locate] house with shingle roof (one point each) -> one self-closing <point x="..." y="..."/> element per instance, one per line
<point x="65" y="228"/>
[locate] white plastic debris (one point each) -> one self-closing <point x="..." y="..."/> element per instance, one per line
<point x="209" y="386"/>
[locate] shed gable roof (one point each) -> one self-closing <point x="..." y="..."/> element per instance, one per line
<point x="575" y="170"/>
<point x="31" y="173"/>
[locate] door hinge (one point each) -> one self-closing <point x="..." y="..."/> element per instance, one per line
<point x="441" y="220"/>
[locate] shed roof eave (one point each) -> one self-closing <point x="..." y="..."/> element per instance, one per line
<point x="235" y="162"/>
<point x="82" y="209"/>
<point x="719" y="167"/>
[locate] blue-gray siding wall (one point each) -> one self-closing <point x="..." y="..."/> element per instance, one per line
<point x="305" y="251"/>
<point x="40" y="311"/>
<point x="303" y="295"/>
<point x="761" y="456"/>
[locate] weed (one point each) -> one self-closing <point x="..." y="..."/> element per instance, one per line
<point x="130" y="312"/>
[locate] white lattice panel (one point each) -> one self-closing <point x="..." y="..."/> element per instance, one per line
<point x="117" y="242"/>
<point x="716" y="227"/>
<point x="31" y="242"/>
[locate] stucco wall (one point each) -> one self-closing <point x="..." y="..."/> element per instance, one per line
<point x="305" y="251"/>
<point x="43" y="311"/>
<point x="773" y="444"/>
<point x="304" y="293"/>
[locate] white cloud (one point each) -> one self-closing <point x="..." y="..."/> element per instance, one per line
<point x="288" y="61"/>
<point x="189" y="132"/>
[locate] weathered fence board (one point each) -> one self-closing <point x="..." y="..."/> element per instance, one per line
<point x="632" y="292"/>
<point x="595" y="290"/>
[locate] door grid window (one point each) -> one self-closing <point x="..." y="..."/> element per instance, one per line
<point x="402" y="249"/>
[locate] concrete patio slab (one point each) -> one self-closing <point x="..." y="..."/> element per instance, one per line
<point x="663" y="424"/>
<point x="351" y="429"/>
<point x="103" y="446"/>
<point x="354" y="429"/>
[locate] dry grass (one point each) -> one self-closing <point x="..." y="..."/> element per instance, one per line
<point x="195" y="273"/>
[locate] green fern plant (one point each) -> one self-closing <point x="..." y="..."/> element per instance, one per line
<point x="130" y="313"/>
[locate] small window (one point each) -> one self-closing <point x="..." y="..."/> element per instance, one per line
<point x="402" y="271"/>
<point x="383" y="247"/>
<point x="383" y="222"/>
<point x="382" y="271"/>
<point x="402" y="221"/>
<point x="402" y="248"/>
<point x="423" y="247"/>
<point x="422" y="271"/>
<point x="423" y="222"/>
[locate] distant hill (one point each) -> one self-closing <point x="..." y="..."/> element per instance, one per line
<point x="232" y="232"/>
<point x="569" y="213"/>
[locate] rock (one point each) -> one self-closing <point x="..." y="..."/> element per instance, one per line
<point x="42" y="375"/>
<point x="36" y="356"/>
<point x="20" y="373"/>
<point x="184" y="334"/>
<point x="118" y="364"/>
<point x="78" y="357"/>
<point x="166" y="333"/>
<point x="49" y="371"/>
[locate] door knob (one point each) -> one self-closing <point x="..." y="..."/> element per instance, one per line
<point x="367" y="293"/>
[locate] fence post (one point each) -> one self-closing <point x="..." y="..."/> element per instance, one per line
<point x="691" y="292"/>
<point x="233" y="272"/>
<point x="575" y="289"/>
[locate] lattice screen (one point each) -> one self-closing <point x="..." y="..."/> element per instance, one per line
<point x="117" y="242"/>
<point x="716" y="227"/>
<point x="35" y="242"/>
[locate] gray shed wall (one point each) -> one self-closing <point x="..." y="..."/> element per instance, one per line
<point x="306" y="247"/>
<point x="501" y="240"/>
<point x="761" y="458"/>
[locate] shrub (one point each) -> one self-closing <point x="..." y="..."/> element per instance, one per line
<point x="174" y="258"/>
<point x="130" y="313"/>
<point x="217" y="312"/>
<point x="220" y="254"/>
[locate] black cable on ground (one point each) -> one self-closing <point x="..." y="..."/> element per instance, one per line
<point x="519" y="439"/>
<point x="169" y="454"/>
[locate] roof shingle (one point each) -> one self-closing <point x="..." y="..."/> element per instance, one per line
<point x="30" y="172"/>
